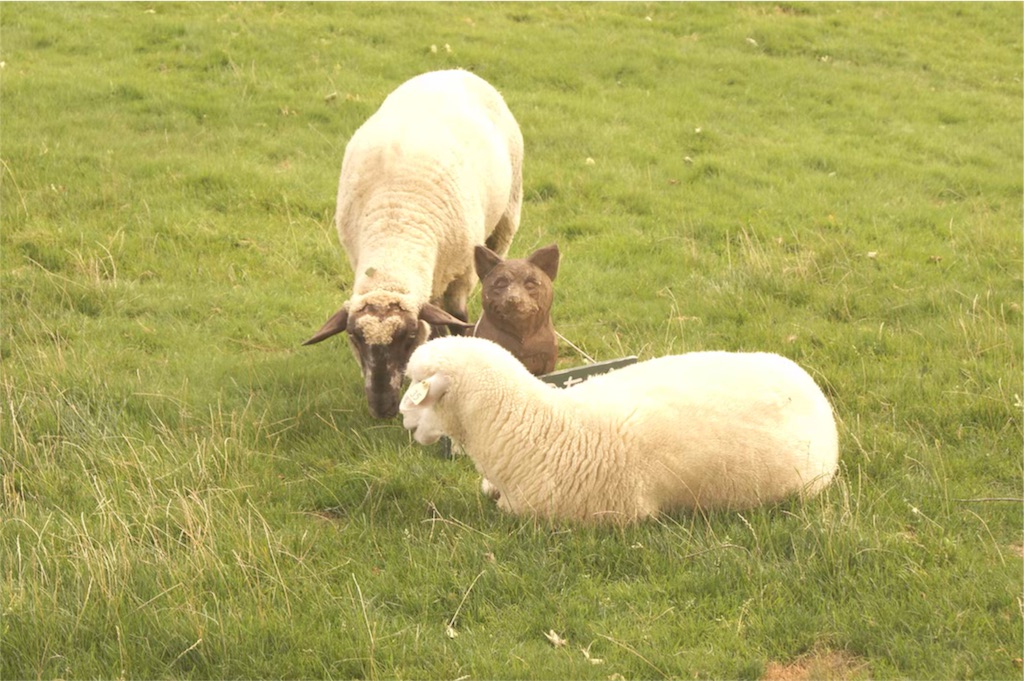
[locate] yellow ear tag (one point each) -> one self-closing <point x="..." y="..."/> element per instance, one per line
<point x="417" y="392"/>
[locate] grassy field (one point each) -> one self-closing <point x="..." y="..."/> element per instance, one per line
<point x="187" y="493"/>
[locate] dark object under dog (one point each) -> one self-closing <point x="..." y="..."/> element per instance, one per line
<point x="517" y="295"/>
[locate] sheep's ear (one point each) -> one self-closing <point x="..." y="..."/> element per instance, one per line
<point x="438" y="386"/>
<point x="546" y="259"/>
<point x="424" y="394"/>
<point x="333" y="326"/>
<point x="432" y="314"/>
<point x="485" y="260"/>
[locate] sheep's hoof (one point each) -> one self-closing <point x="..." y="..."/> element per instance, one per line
<point x="489" y="490"/>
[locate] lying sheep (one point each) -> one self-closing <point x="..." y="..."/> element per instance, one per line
<point x="704" y="430"/>
<point x="434" y="172"/>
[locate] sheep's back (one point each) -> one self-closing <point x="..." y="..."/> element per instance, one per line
<point x="720" y="429"/>
<point x="437" y="160"/>
<point x="451" y="128"/>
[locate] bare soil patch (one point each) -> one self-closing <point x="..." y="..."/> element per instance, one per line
<point x="818" y="666"/>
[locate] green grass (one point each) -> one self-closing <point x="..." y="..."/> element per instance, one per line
<point x="187" y="493"/>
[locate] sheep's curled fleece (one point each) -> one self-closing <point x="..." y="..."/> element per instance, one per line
<point x="710" y="430"/>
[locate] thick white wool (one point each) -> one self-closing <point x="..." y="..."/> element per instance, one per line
<point x="435" y="171"/>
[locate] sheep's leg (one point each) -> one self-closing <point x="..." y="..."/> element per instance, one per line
<point x="489" y="490"/>
<point x="454" y="301"/>
<point x="501" y="238"/>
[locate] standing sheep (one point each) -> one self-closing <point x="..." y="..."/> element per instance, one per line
<point x="434" y="172"/>
<point x="704" y="430"/>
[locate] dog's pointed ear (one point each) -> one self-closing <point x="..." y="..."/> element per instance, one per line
<point x="432" y="314"/>
<point x="547" y="260"/>
<point x="335" y="325"/>
<point x="485" y="260"/>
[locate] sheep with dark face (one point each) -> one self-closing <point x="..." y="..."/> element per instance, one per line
<point x="434" y="172"/>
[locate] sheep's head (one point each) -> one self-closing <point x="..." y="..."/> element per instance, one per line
<point x="383" y="330"/>
<point x="450" y="378"/>
<point x="433" y="370"/>
<point x="419" y="408"/>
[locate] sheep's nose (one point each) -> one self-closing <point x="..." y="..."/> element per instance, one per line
<point x="387" y="412"/>
<point x="383" y="406"/>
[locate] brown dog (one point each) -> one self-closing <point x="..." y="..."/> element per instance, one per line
<point x="517" y="297"/>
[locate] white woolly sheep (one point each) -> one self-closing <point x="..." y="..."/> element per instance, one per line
<point x="703" y="430"/>
<point x="434" y="172"/>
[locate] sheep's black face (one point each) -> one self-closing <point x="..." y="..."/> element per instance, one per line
<point x="383" y="335"/>
<point x="383" y="340"/>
